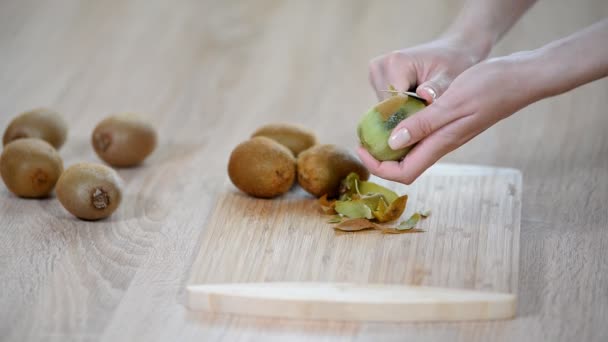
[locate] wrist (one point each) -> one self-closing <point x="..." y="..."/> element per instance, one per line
<point x="534" y="77"/>
<point x="477" y="42"/>
<point x="573" y="61"/>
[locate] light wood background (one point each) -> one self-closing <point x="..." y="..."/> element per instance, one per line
<point x="207" y="73"/>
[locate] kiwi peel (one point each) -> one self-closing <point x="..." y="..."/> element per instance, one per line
<point x="363" y="199"/>
<point x="377" y="124"/>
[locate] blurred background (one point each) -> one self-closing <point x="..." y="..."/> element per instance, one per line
<point x="194" y="64"/>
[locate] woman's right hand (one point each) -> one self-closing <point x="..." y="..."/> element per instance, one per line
<point x="478" y="98"/>
<point x="430" y="67"/>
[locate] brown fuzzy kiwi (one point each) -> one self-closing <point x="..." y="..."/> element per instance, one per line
<point x="89" y="191"/>
<point x="261" y="167"/>
<point x="294" y="137"/>
<point x="39" y="123"/>
<point x="30" y="167"/>
<point x="124" y="140"/>
<point x="322" y="168"/>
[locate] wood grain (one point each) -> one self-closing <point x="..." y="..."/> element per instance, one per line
<point x="351" y="302"/>
<point x="472" y="238"/>
<point x="207" y="74"/>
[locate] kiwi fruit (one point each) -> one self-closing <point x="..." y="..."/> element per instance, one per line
<point x="40" y="123"/>
<point x="376" y="126"/>
<point x="89" y="191"/>
<point x="322" y="168"/>
<point x="261" y="167"/>
<point x="30" y="167"/>
<point x="124" y="140"/>
<point x="294" y="137"/>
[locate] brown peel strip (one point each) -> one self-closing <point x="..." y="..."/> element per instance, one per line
<point x="391" y="230"/>
<point x="393" y="211"/>
<point x="327" y="206"/>
<point x="355" y="225"/>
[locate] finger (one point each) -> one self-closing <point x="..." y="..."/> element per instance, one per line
<point x="401" y="72"/>
<point x="376" y="78"/>
<point x="420" y="158"/>
<point x="421" y="125"/>
<point x="367" y="159"/>
<point x="431" y="89"/>
<point x="434" y="147"/>
<point x="386" y="169"/>
<point x="394" y="69"/>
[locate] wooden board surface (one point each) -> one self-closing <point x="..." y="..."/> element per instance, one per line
<point x="207" y="73"/>
<point x="471" y="239"/>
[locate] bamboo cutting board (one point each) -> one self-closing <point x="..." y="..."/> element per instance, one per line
<point x="471" y="239"/>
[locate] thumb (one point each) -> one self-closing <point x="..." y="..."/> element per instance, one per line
<point x="434" y="87"/>
<point x="419" y="126"/>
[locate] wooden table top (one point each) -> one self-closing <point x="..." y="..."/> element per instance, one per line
<point x="206" y="74"/>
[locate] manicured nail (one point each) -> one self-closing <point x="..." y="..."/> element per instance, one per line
<point x="430" y="91"/>
<point x="399" y="139"/>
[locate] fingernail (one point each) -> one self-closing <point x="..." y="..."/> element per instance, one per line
<point x="430" y="91"/>
<point x="399" y="139"/>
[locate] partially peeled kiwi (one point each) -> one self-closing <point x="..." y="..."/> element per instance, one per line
<point x="377" y="124"/>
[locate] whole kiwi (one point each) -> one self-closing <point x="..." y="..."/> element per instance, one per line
<point x="124" y="140"/>
<point x="261" y="167"/>
<point x="30" y="167"/>
<point x="89" y="191"/>
<point x="322" y="168"/>
<point x="41" y="123"/>
<point x="294" y="137"/>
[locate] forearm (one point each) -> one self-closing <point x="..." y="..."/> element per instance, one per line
<point x="572" y="61"/>
<point x="481" y="23"/>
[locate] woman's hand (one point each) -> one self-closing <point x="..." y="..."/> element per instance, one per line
<point x="478" y="98"/>
<point x="431" y="67"/>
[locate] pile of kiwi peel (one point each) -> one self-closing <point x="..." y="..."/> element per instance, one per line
<point x="279" y="155"/>
<point x="31" y="167"/>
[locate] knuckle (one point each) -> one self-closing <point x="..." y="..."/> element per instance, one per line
<point x="393" y="59"/>
<point x="371" y="74"/>
<point x="373" y="64"/>
<point x="407" y="179"/>
<point x="451" y="145"/>
<point x="451" y="141"/>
